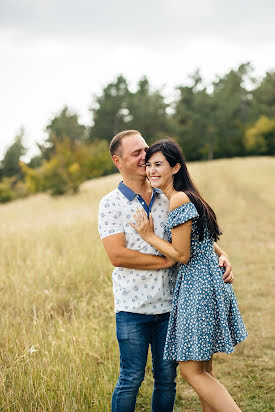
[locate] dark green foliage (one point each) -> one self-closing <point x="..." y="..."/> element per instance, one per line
<point x="233" y="116"/>
<point x="232" y="111"/>
<point x="117" y="108"/>
<point x="211" y="123"/>
<point x="263" y="98"/>
<point x="147" y="112"/>
<point x="193" y="118"/>
<point x="110" y="110"/>
<point x="208" y="122"/>
<point x="35" y="161"/>
<point x="10" y="164"/>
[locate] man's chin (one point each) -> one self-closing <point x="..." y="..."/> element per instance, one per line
<point x="142" y="171"/>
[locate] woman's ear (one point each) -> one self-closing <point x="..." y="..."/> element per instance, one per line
<point x="176" y="168"/>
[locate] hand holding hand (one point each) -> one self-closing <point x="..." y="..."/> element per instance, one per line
<point x="144" y="226"/>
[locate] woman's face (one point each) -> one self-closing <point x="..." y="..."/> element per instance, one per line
<point x="159" y="171"/>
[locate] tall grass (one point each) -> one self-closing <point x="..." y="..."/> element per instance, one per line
<point x="58" y="348"/>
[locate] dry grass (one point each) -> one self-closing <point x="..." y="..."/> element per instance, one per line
<point x="57" y="345"/>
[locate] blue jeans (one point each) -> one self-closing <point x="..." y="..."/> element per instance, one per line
<point x="135" y="332"/>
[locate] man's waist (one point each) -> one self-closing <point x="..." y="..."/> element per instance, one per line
<point x="139" y="272"/>
<point x="145" y="309"/>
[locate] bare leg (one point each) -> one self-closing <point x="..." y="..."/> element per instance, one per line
<point x="206" y="407"/>
<point x="210" y="391"/>
<point x="208" y="369"/>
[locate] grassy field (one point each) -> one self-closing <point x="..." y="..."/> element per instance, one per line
<point x="58" y="348"/>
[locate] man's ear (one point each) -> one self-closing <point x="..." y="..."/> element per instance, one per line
<point x="116" y="160"/>
<point x="176" y="168"/>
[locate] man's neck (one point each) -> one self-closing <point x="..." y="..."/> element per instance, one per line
<point x="141" y="186"/>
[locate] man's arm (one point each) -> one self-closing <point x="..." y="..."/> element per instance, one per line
<point x="228" y="276"/>
<point x="120" y="256"/>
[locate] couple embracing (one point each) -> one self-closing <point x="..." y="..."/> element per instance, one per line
<point x="171" y="282"/>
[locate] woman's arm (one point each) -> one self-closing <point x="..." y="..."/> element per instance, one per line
<point x="178" y="250"/>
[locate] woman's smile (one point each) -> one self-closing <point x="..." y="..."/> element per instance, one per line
<point x="158" y="171"/>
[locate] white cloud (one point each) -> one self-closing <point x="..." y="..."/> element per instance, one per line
<point x="156" y="22"/>
<point x="62" y="52"/>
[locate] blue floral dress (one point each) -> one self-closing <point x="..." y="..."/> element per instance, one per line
<point x="205" y="317"/>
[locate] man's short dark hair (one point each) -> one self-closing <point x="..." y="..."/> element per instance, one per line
<point x="116" y="141"/>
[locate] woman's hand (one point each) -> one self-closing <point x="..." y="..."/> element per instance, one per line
<point x="144" y="226"/>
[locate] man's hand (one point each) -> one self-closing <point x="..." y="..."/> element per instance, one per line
<point x="228" y="276"/>
<point x="170" y="262"/>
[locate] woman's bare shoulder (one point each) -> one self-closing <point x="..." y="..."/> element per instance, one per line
<point x="178" y="199"/>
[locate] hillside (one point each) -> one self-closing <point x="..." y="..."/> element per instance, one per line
<point x="58" y="347"/>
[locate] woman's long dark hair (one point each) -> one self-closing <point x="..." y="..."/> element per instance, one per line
<point x="183" y="182"/>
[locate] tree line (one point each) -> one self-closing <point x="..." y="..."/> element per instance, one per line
<point x="232" y="116"/>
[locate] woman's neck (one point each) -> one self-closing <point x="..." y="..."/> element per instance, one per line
<point x="168" y="191"/>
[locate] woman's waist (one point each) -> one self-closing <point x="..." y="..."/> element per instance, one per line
<point x="204" y="256"/>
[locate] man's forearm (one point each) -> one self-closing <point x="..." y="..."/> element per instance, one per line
<point x="219" y="251"/>
<point x="132" y="259"/>
<point x="228" y="276"/>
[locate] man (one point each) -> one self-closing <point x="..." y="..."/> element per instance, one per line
<point x="142" y="279"/>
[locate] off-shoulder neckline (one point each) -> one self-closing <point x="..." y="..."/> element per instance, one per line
<point x="172" y="210"/>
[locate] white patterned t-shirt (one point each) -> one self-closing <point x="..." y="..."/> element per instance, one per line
<point x="135" y="290"/>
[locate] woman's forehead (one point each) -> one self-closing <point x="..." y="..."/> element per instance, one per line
<point x="158" y="156"/>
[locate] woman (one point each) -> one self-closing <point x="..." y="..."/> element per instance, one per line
<point x="205" y="318"/>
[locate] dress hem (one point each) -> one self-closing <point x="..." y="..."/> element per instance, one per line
<point x="170" y="358"/>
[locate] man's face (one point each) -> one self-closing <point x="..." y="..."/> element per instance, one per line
<point x="131" y="161"/>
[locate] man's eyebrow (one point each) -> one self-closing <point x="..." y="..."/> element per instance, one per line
<point x="139" y="150"/>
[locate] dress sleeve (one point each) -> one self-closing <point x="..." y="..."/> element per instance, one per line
<point x="182" y="214"/>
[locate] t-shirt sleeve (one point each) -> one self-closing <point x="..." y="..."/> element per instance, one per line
<point x="182" y="214"/>
<point x="110" y="219"/>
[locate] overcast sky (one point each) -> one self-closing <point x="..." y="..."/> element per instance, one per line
<point x="57" y="52"/>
